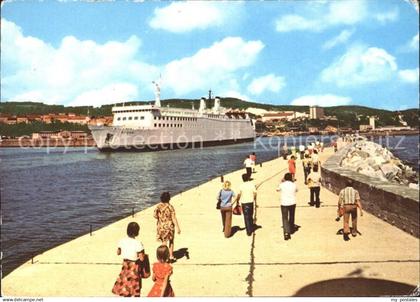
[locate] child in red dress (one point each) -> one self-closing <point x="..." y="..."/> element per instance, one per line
<point x="292" y="166"/>
<point x="162" y="270"/>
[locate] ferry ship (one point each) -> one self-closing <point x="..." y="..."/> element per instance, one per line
<point x="153" y="127"/>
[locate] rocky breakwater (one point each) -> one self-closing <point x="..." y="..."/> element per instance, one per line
<point x="371" y="159"/>
<point x="382" y="180"/>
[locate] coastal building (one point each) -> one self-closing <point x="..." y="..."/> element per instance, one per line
<point x="59" y="135"/>
<point x="313" y="129"/>
<point x="372" y="122"/>
<point x="392" y="128"/>
<point x="11" y="120"/>
<point x="331" y="129"/>
<point x="78" y="134"/>
<point x="365" y="128"/>
<point x="47" y="118"/>
<point x="281" y="116"/>
<point x="80" y="119"/>
<point x="21" y="119"/>
<point x="316" y="112"/>
<point x="4" y="118"/>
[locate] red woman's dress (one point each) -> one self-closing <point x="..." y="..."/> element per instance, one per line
<point x="161" y="270"/>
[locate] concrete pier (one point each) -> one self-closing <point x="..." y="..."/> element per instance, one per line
<point x="384" y="260"/>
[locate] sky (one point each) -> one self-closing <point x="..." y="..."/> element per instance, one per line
<point x="318" y="52"/>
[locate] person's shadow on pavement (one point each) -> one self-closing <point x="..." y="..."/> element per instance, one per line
<point x="180" y="253"/>
<point x="235" y="229"/>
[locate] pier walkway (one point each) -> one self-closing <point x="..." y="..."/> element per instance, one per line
<point x="316" y="262"/>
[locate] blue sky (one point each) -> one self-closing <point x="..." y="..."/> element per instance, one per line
<point x="361" y="52"/>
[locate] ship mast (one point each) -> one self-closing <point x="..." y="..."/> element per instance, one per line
<point x="157" y="93"/>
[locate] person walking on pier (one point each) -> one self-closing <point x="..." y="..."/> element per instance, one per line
<point x="314" y="183"/>
<point x="306" y="163"/>
<point x="253" y="157"/>
<point x="288" y="189"/>
<point x="247" y="195"/>
<point x="302" y="151"/>
<point x="315" y="159"/>
<point x="128" y="283"/>
<point x="225" y="197"/>
<point x="248" y="165"/>
<point x="166" y="223"/>
<point x="292" y="166"/>
<point x="348" y="202"/>
<point x="285" y="151"/>
<point x="162" y="270"/>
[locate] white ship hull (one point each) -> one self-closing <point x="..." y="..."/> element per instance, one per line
<point x="205" y="132"/>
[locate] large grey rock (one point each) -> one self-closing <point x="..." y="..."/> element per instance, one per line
<point x="373" y="160"/>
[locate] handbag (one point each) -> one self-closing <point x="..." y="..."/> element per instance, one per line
<point x="144" y="267"/>
<point x="219" y="201"/>
<point x="237" y="210"/>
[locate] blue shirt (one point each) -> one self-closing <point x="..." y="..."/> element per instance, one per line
<point x="226" y="198"/>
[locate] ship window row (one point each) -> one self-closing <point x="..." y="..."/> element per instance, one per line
<point x="130" y="118"/>
<point x="169" y="125"/>
<point x="126" y="111"/>
<point x="175" y="118"/>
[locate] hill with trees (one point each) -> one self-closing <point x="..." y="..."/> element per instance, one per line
<point x="347" y="116"/>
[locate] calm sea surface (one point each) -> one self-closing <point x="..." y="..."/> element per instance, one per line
<point x="48" y="198"/>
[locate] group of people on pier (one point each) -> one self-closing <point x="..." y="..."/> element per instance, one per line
<point x="136" y="262"/>
<point x="229" y="202"/>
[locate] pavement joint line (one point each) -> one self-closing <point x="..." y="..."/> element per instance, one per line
<point x="248" y="263"/>
<point x="250" y="277"/>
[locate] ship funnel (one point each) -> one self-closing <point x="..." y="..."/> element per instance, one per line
<point x="202" y="105"/>
<point x="216" y="107"/>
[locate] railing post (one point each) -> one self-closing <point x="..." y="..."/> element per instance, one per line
<point x="90" y="229"/>
<point x="222" y="179"/>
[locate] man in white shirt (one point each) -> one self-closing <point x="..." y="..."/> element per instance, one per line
<point x="302" y="151"/>
<point x="314" y="183"/>
<point x="288" y="191"/>
<point x="247" y="195"/>
<point x="248" y="166"/>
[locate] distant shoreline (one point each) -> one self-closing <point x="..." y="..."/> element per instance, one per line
<point x="46" y="143"/>
<point x="370" y="134"/>
<point x="89" y="142"/>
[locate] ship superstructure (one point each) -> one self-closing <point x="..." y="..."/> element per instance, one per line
<point x="152" y="127"/>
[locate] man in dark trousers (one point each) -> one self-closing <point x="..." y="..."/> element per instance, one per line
<point x="247" y="195"/>
<point x="348" y="202"/>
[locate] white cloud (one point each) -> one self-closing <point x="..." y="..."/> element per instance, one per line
<point x="325" y="100"/>
<point x="179" y="17"/>
<point x="335" y="13"/>
<point x="342" y="38"/>
<point x="74" y="71"/>
<point x="409" y="75"/>
<point x="412" y="45"/>
<point x="360" y="65"/>
<point x="296" y="22"/>
<point x="269" y="82"/>
<point x="211" y="67"/>
<point x="110" y="94"/>
<point x="84" y="72"/>
<point x="347" y="12"/>
<point x="385" y="17"/>
<point x="323" y="15"/>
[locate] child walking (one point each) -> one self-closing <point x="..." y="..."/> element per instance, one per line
<point x="292" y="167"/>
<point x="162" y="270"/>
<point x="135" y="264"/>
